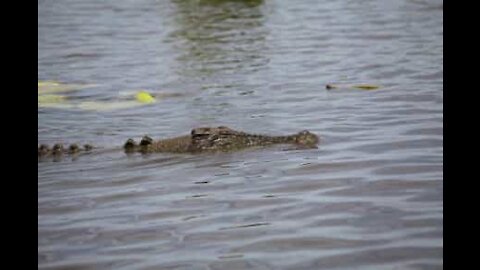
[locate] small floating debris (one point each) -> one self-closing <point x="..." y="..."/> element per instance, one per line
<point x="192" y="217"/>
<point x="245" y="226"/>
<point x="199" y="196"/>
<point x="231" y="256"/>
<point x="354" y="86"/>
<point x="201" y="182"/>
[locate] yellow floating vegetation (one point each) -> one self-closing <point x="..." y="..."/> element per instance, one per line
<point x="144" y="97"/>
<point x="44" y="99"/>
<point x="54" y="101"/>
<point x="48" y="97"/>
<point x="47" y="83"/>
<point x="47" y="87"/>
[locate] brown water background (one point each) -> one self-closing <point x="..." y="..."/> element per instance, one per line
<point x="371" y="196"/>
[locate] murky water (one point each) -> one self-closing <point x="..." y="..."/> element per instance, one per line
<point x="371" y="196"/>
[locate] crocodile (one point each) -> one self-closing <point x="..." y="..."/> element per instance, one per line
<point x="200" y="140"/>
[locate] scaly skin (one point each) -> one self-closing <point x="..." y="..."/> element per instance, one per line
<point x="204" y="139"/>
<point x="218" y="139"/>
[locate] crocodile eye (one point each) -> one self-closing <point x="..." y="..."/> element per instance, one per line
<point x="146" y="140"/>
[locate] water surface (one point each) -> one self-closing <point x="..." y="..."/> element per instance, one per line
<point x="370" y="197"/>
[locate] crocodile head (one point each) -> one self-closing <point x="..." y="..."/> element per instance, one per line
<point x="306" y="138"/>
<point x="226" y="139"/>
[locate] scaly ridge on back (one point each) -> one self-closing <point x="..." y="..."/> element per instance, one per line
<point x="58" y="149"/>
<point x="202" y="139"/>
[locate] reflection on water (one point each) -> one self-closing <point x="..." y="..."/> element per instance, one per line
<point x="220" y="43"/>
<point x="371" y="196"/>
<point x="219" y="37"/>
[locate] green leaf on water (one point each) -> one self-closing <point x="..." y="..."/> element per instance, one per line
<point x="354" y="86"/>
<point x="366" y="86"/>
